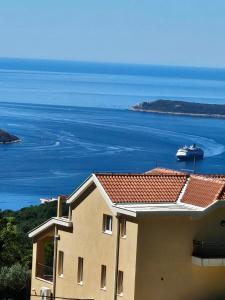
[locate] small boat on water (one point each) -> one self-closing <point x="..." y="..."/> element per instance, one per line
<point x="189" y="153"/>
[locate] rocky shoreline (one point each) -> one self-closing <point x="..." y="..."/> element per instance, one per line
<point x="181" y="108"/>
<point x="179" y="113"/>
<point x="7" y="138"/>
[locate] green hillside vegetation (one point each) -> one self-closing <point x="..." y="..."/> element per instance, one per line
<point x="16" y="248"/>
<point x="181" y="107"/>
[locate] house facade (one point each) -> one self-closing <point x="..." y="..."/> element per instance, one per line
<point x="158" y="235"/>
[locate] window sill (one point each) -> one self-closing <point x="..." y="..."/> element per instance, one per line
<point x="60" y="276"/>
<point x="123" y="237"/>
<point x="103" y="289"/>
<point x="80" y="283"/>
<point x="107" y="232"/>
<point x="120" y="295"/>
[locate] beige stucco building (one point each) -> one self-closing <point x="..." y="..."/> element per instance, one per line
<point x="158" y="235"/>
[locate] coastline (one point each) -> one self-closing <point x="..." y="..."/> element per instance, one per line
<point x="215" y="116"/>
<point x="11" y="142"/>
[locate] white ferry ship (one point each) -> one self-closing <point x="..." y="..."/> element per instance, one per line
<point x="189" y="153"/>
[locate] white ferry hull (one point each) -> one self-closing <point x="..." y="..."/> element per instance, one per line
<point x="189" y="153"/>
<point x="189" y="157"/>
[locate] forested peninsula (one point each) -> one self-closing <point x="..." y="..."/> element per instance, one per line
<point x="181" y="108"/>
<point x="7" y="138"/>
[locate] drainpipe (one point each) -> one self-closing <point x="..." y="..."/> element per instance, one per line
<point x="55" y="260"/>
<point x="117" y="257"/>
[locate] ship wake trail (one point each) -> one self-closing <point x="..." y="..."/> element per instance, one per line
<point x="210" y="146"/>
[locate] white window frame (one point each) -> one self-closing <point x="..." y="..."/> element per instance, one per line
<point x="103" y="277"/>
<point x="107" y="224"/>
<point x="61" y="263"/>
<point x="80" y="271"/>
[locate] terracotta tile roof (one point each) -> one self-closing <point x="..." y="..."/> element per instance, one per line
<point x="220" y="177"/>
<point x="164" y="186"/>
<point x="142" y="188"/>
<point x="161" y="171"/>
<point x="202" y="190"/>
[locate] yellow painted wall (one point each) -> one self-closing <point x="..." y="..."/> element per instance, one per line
<point x="164" y="265"/>
<point x="97" y="248"/>
<point x="127" y="259"/>
<point x="37" y="284"/>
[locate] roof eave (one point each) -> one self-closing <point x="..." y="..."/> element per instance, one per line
<point x="80" y="190"/>
<point x="93" y="179"/>
<point x="49" y="223"/>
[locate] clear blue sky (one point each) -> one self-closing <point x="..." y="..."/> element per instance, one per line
<point x="171" y="32"/>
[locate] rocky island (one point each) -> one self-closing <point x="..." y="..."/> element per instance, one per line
<point x="7" y="138"/>
<point x="181" y="108"/>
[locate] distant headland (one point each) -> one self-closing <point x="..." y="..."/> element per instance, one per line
<point x="181" y="108"/>
<point x="7" y="138"/>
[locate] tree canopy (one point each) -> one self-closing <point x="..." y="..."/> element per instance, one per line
<point x="16" y="247"/>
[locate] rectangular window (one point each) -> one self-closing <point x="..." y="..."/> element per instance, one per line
<point x="61" y="258"/>
<point x="123" y="229"/>
<point x="120" y="283"/>
<point x="80" y="270"/>
<point x="103" y="277"/>
<point x="107" y="223"/>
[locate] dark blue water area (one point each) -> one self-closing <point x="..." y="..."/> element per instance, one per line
<point x="105" y="85"/>
<point x="73" y="119"/>
<point x="62" y="145"/>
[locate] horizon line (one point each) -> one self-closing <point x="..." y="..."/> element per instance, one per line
<point x="111" y="63"/>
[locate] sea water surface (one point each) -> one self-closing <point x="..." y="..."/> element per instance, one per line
<point x="73" y="120"/>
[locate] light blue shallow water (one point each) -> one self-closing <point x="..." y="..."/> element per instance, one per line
<point x="63" y="144"/>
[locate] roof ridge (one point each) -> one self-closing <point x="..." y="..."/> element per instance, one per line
<point x="202" y="177"/>
<point x="141" y="175"/>
<point x="183" y="190"/>
<point x="166" y="170"/>
<point x="211" y="175"/>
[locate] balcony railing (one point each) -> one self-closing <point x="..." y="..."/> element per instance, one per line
<point x="44" y="272"/>
<point x="204" y="249"/>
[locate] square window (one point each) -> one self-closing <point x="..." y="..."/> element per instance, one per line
<point x="107" y="224"/>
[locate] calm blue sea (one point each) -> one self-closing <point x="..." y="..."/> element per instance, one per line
<point x="73" y="119"/>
